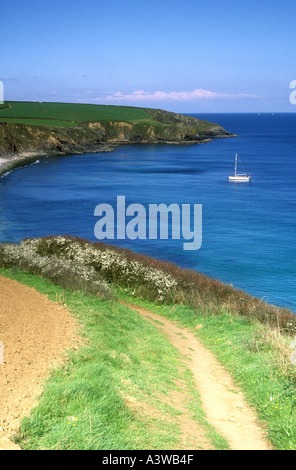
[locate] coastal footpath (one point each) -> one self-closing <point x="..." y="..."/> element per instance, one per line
<point x="32" y="130"/>
<point x="183" y="360"/>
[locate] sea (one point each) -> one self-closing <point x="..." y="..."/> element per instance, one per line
<point x="248" y="229"/>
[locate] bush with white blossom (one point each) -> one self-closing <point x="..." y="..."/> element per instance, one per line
<point x="67" y="273"/>
<point x="85" y="261"/>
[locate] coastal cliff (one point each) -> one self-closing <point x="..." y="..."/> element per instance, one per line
<point x="22" y="140"/>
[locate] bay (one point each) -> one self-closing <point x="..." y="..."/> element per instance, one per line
<point x="248" y="228"/>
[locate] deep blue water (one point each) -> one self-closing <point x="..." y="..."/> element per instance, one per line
<point x="248" y="229"/>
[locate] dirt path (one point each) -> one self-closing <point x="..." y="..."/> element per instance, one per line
<point x="224" y="403"/>
<point x="34" y="332"/>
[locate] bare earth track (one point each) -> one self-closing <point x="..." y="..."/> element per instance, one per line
<point x="224" y="403"/>
<point x="34" y="332"/>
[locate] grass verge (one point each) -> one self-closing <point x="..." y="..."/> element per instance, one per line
<point x="250" y="338"/>
<point x="257" y="357"/>
<point x="114" y="392"/>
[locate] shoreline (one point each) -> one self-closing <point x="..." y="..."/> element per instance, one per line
<point x="12" y="162"/>
<point x="21" y="159"/>
<point x="24" y="142"/>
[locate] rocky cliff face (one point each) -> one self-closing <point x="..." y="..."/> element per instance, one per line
<point x="95" y="136"/>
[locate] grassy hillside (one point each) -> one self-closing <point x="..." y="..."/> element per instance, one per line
<point x="65" y="129"/>
<point x="69" y="114"/>
<point x="249" y="337"/>
<point x="115" y="391"/>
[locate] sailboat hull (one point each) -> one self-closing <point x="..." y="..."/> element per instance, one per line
<point x="240" y="179"/>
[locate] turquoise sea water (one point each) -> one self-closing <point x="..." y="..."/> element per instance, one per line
<point x="248" y="229"/>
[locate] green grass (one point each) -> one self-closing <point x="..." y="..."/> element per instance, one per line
<point x="243" y="347"/>
<point x="84" y="405"/>
<point x="38" y="122"/>
<point x="127" y="356"/>
<point x="70" y="114"/>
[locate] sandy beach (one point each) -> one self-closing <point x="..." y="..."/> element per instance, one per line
<point x="9" y="163"/>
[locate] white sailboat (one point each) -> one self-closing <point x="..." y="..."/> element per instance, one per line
<point x="239" y="178"/>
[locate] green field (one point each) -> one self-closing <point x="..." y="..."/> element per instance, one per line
<point x="70" y="114"/>
<point x="90" y="387"/>
<point x="84" y="404"/>
<point x="125" y="356"/>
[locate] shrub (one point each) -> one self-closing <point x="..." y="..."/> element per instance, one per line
<point x="68" y="274"/>
<point x="149" y="278"/>
<point x="114" y="267"/>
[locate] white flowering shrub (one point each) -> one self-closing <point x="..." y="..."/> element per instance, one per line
<point x="112" y="265"/>
<point x="64" y="272"/>
<point x="79" y="264"/>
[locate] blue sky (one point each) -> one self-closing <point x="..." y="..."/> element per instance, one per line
<point x="185" y="56"/>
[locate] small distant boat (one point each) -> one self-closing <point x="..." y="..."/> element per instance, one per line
<point x="239" y="178"/>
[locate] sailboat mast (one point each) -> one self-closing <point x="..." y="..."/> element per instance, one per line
<point x="238" y="177"/>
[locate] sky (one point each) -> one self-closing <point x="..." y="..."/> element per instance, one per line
<point x="184" y="56"/>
